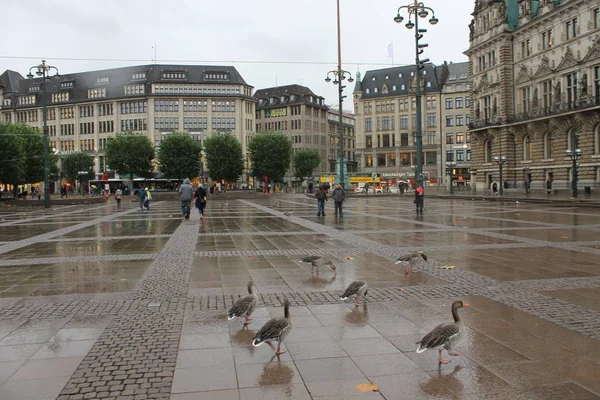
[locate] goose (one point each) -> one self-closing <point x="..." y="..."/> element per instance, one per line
<point x="288" y="213"/>
<point x="356" y="289"/>
<point x="245" y="306"/>
<point x="444" y="336"/>
<point x="275" y="329"/>
<point x="411" y="259"/>
<point x="319" y="261"/>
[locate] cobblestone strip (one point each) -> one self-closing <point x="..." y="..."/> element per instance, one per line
<point x="257" y="233"/>
<point x="567" y="315"/>
<point x="549" y="284"/>
<point x="137" y="352"/>
<point x="99" y="238"/>
<point x="339" y="251"/>
<point x="62" y="231"/>
<point x="63" y="260"/>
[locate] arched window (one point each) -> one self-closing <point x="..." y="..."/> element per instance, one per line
<point x="394" y="88"/>
<point x="376" y="90"/>
<point x="527" y="148"/>
<point x="597" y="139"/>
<point x="367" y="91"/>
<point x="572" y="139"/>
<point x="488" y="151"/>
<point x="548" y="145"/>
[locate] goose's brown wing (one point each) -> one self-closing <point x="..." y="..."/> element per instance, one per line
<point x="272" y="330"/>
<point x="353" y="288"/>
<point x="439" y="336"/>
<point x="242" y="306"/>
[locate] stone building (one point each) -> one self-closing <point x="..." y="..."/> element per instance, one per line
<point x="87" y="108"/>
<point x="535" y="69"/>
<point x="333" y="148"/>
<point x="305" y="118"/>
<point x="386" y="115"/>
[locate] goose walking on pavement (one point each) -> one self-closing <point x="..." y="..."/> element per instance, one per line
<point x="411" y="259"/>
<point x="244" y="307"/>
<point x="275" y="329"/>
<point x="444" y="336"/>
<point x="319" y="261"/>
<point x="356" y="289"/>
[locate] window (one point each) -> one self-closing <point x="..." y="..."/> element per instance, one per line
<point x="201" y="106"/>
<point x="597" y="139"/>
<point x="106" y="126"/>
<point x="96" y="93"/>
<point x="467" y="119"/>
<point x="572" y="139"/>
<point x="386" y="123"/>
<point x="458" y="102"/>
<point x="368" y="124"/>
<point x="488" y="151"/>
<point x="572" y="88"/>
<point x="527" y="148"/>
<point x="60" y="97"/>
<point x="449" y="138"/>
<point x="596" y="18"/>
<point x="66" y="85"/>
<point x="468" y="155"/>
<point x="487" y="107"/>
<point x="195" y="123"/>
<point x="67" y="113"/>
<point x="467" y="102"/>
<point x="173" y="75"/>
<point x="139" y="75"/>
<point x="102" y="80"/>
<point x="449" y="104"/>
<point x="134" y="89"/>
<point x="137" y="124"/>
<point x="459" y="120"/>
<point x="431" y="119"/>
<point x="547" y="94"/>
<point x="548" y="146"/>
<point x="571" y="28"/>
<point x="525" y="97"/>
<point x="166" y="105"/>
<point x="468" y="135"/>
<point x="449" y="121"/>
<point x="525" y="48"/>
<point x="404" y="139"/>
<point x="105" y="109"/>
<point x="431" y="135"/>
<point x="597" y="84"/>
<point x="26" y="100"/>
<point x="369" y="141"/>
<point x="460" y="138"/>
<point x="403" y="122"/>
<point x="86" y="111"/>
<point x="386" y="140"/>
<point x="134" y="107"/>
<point x="547" y="39"/>
<point x="450" y="155"/>
<point x="460" y="155"/>
<point x="86" y="128"/>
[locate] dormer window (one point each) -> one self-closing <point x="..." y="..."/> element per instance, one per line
<point x="428" y="84"/>
<point x="367" y="91"/>
<point x="452" y="78"/>
<point x="387" y="77"/>
<point x="463" y="76"/>
<point x="403" y="87"/>
<point x="375" y="90"/>
<point x="173" y="75"/>
<point x="400" y="75"/>
<point x="66" y="85"/>
<point x="138" y="75"/>
<point x="216" y="76"/>
<point x="283" y="99"/>
<point x="412" y="73"/>
<point x="34" y="88"/>
<point x="60" y="97"/>
<point x="102" y="81"/>
<point x="293" y="97"/>
<point x="272" y="100"/>
<point x="394" y="88"/>
<point x="373" y="78"/>
<point x="27" y="100"/>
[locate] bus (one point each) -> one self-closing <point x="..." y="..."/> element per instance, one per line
<point x="156" y="185"/>
<point x="100" y="186"/>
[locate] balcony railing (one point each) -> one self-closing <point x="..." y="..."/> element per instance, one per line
<point x="554" y="110"/>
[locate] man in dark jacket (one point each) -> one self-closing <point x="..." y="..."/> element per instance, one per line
<point x="200" y="196"/>
<point x="338" y="197"/>
<point x="419" y="197"/>
<point x="185" y="195"/>
<point x="321" y="196"/>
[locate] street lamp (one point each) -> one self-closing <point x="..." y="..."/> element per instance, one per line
<point x="418" y="10"/>
<point x="574" y="156"/>
<point x="339" y="75"/>
<point x="501" y="161"/>
<point x="451" y="165"/>
<point x="43" y="70"/>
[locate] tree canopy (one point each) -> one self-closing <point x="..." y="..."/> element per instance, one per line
<point x="130" y="154"/>
<point x="305" y="161"/>
<point x="73" y="163"/>
<point x="179" y="156"/>
<point x="22" y="154"/>
<point x="224" y="157"/>
<point x="271" y="153"/>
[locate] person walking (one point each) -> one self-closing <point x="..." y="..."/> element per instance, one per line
<point x="321" y="196"/>
<point x="118" y="197"/>
<point x="185" y="196"/>
<point x="419" y="197"/>
<point x="142" y="197"/>
<point x="200" y="196"/>
<point x="338" y="197"/>
<point x="148" y="198"/>
<point x="495" y="188"/>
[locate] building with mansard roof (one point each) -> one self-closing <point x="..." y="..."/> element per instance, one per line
<point x="535" y="67"/>
<point x="87" y="108"/>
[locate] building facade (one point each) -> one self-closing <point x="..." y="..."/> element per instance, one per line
<point x="305" y="118"/>
<point x="535" y="69"/>
<point x="86" y="109"/>
<point x="386" y="116"/>
<point x="349" y="136"/>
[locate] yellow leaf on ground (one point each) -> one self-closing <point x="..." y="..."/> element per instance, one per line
<point x="517" y="214"/>
<point x="367" y="387"/>
<point x="446" y="267"/>
<point x="349" y="258"/>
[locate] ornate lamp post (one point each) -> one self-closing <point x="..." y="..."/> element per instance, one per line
<point x="418" y="10"/>
<point x="574" y="156"/>
<point x="501" y="160"/>
<point x="43" y="70"/>
<point x="338" y="77"/>
<point x="451" y="165"/>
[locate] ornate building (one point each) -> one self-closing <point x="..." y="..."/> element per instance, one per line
<point x="85" y="109"/>
<point x="535" y="67"/>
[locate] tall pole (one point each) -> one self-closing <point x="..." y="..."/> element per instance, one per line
<point x="574" y="183"/>
<point x="419" y="133"/>
<point x="340" y="99"/>
<point x="45" y="138"/>
<point x="501" y="163"/>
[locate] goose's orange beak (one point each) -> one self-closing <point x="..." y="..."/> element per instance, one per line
<point x="466" y="304"/>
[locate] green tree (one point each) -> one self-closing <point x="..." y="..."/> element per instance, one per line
<point x="73" y="163"/>
<point x="305" y="161"/>
<point x="130" y="154"/>
<point x="179" y="156"/>
<point x="270" y="153"/>
<point x="224" y="157"/>
<point x="22" y="155"/>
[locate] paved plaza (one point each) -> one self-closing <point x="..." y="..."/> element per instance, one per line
<point x="97" y="302"/>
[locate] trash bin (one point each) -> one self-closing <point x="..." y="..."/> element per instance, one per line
<point x="587" y="190"/>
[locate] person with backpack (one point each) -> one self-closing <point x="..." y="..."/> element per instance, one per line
<point x="142" y="197"/>
<point x="186" y="193"/>
<point x="118" y="197"/>
<point x="200" y="201"/>
<point x="338" y="197"/>
<point x="321" y="196"/>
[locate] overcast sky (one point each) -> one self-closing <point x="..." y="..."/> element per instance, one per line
<point x="289" y="42"/>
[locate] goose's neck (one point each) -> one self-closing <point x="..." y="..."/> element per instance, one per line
<point x="286" y="311"/>
<point x="455" y="314"/>
<point x="250" y="289"/>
